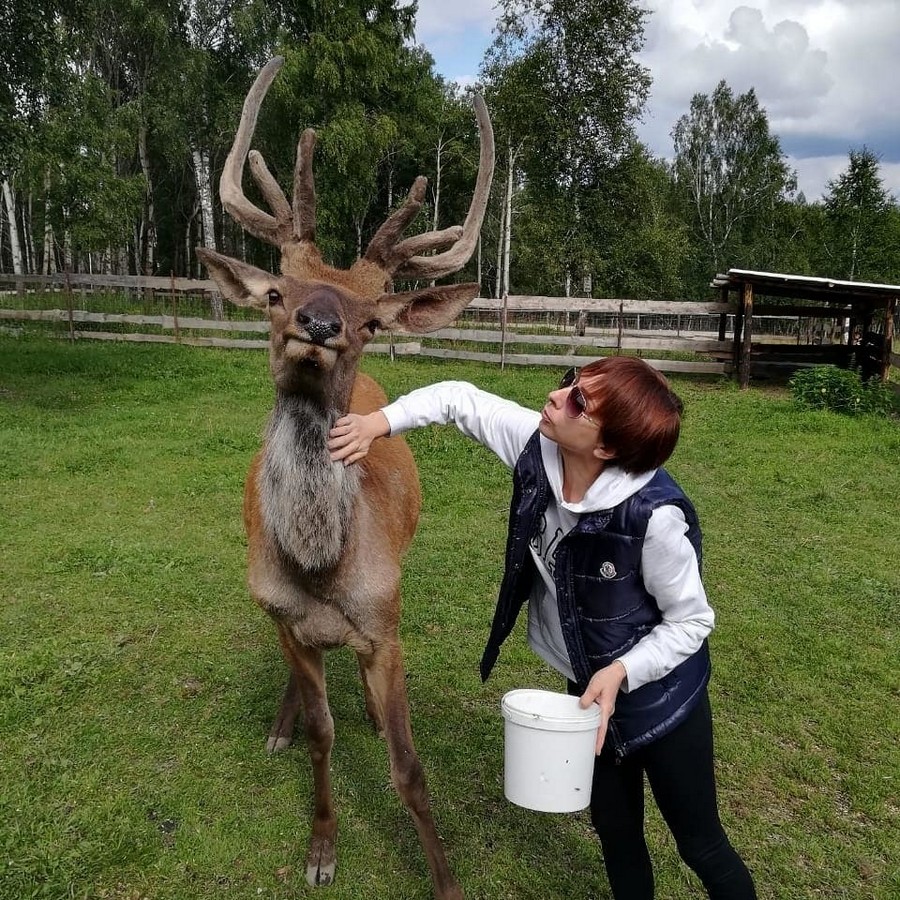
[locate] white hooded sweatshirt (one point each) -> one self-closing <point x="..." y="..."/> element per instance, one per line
<point x="668" y="562"/>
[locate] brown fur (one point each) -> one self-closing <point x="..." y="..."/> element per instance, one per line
<point x="325" y="542"/>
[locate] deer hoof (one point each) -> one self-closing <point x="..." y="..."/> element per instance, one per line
<point x="319" y="877"/>
<point x="320" y="863"/>
<point x="277" y="742"/>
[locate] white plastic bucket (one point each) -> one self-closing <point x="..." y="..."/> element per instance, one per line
<point x="548" y="750"/>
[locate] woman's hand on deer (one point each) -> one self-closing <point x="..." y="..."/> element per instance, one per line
<point x="352" y="435"/>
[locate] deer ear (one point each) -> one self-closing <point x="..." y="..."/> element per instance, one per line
<point x="240" y="283"/>
<point x="418" y="312"/>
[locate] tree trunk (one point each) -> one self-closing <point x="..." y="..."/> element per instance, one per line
<point x="204" y="196"/>
<point x="507" y="230"/>
<point x="436" y="193"/>
<point x="49" y="267"/>
<point x="498" y="285"/>
<point x="479" y="264"/>
<point x="15" y="244"/>
<point x="437" y="185"/>
<point x="31" y="259"/>
<point x="148" y="224"/>
<point x="136" y="247"/>
<point x="190" y="260"/>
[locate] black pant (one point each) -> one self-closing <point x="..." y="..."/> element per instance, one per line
<point x="679" y="767"/>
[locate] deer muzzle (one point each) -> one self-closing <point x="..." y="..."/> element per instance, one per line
<point x="319" y="329"/>
<point x="320" y="316"/>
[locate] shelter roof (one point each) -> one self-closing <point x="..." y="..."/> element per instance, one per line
<point x="805" y="287"/>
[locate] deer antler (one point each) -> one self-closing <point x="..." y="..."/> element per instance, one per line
<point x="288" y="225"/>
<point x="292" y="227"/>
<point x="401" y="260"/>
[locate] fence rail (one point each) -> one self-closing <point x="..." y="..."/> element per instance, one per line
<point x="523" y="330"/>
<point x="681" y="336"/>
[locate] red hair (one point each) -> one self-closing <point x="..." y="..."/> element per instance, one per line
<point x="639" y="412"/>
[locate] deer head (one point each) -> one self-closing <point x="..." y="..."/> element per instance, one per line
<point x="322" y="317"/>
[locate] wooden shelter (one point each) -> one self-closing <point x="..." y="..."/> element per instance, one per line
<point x="861" y="317"/>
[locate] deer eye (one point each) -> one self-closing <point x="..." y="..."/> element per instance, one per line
<point x="373" y="325"/>
<point x="273" y="297"/>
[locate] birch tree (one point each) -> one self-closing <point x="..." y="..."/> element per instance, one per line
<point x="731" y="171"/>
<point x="15" y="241"/>
<point x="568" y="88"/>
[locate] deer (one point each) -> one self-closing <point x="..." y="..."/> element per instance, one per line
<point x="325" y="541"/>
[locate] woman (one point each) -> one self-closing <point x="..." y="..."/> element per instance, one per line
<point x="605" y="549"/>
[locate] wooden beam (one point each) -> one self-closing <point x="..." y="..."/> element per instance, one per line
<point x="723" y="316"/>
<point x="523" y="303"/>
<point x="888" y="339"/>
<point x="747" y="308"/>
<point x="738" y="334"/>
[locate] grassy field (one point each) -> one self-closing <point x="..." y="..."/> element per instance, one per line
<point x="137" y="680"/>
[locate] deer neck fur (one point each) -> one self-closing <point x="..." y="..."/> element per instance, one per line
<point x="307" y="500"/>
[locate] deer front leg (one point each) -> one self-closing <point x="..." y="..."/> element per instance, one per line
<point x="281" y="734"/>
<point x="307" y="668"/>
<point x="387" y="680"/>
<point x="372" y="710"/>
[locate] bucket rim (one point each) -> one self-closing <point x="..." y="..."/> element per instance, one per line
<point x="575" y="719"/>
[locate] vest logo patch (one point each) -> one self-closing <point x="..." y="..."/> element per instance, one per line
<point x="608" y="570"/>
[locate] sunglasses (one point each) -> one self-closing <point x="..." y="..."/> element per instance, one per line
<point x="576" y="405"/>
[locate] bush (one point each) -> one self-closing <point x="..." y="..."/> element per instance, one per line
<point x="840" y="390"/>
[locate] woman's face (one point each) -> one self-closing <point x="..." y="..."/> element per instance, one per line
<point x="566" y="419"/>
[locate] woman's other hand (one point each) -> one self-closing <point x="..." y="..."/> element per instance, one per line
<point x="352" y="435"/>
<point x="603" y="689"/>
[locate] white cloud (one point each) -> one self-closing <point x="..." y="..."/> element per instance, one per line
<point x="436" y="18"/>
<point x="824" y="70"/>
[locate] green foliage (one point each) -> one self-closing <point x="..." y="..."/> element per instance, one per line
<point x="731" y="173"/>
<point x="862" y="223"/>
<point x="575" y="86"/>
<point x="840" y="390"/>
<point x="75" y="161"/>
<point x="566" y="89"/>
<point x="102" y="106"/>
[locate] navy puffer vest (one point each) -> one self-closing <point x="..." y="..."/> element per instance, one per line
<point x="603" y="605"/>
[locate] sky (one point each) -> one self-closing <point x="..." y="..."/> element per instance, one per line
<point x="827" y="72"/>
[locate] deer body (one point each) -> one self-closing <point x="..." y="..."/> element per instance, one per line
<point x="333" y="535"/>
<point x="325" y="541"/>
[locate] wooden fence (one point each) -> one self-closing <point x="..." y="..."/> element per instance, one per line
<point x="521" y="331"/>
<point x="674" y="336"/>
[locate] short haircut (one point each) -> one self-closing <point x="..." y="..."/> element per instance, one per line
<point x="640" y="414"/>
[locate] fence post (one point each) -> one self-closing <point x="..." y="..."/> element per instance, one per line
<point x="621" y="315"/>
<point x="888" y="338"/>
<point x="503" y="313"/>
<point x="723" y="317"/>
<point x="174" y="308"/>
<point x="747" y="306"/>
<point x="69" y="307"/>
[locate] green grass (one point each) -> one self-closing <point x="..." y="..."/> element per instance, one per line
<point x="137" y="680"/>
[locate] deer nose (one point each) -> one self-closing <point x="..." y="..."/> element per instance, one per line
<point x="319" y="327"/>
